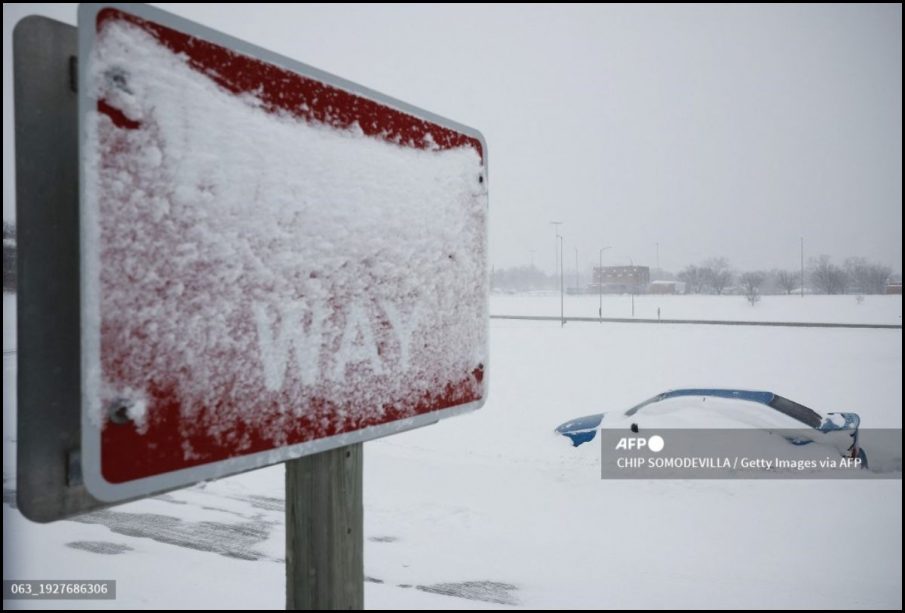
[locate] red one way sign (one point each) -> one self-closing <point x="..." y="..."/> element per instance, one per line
<point x="274" y="261"/>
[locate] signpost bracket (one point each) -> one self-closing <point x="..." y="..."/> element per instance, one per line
<point x="48" y="466"/>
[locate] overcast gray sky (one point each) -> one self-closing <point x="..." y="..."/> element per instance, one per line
<point x="713" y="130"/>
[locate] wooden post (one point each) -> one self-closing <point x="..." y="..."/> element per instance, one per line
<point x="325" y="530"/>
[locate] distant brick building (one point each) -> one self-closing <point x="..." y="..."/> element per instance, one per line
<point x="621" y="278"/>
<point x="893" y="288"/>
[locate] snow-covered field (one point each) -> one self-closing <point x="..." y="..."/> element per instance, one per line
<point x="825" y="309"/>
<point x="494" y="508"/>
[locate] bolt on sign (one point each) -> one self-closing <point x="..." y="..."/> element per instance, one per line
<point x="274" y="261"/>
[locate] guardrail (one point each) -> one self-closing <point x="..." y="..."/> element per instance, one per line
<point x="706" y="322"/>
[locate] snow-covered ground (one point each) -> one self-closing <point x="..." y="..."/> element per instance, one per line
<point x="826" y="309"/>
<point x="496" y="509"/>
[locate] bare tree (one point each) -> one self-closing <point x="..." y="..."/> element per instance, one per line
<point x="752" y="282"/>
<point x="857" y="271"/>
<point x="787" y="280"/>
<point x="878" y="278"/>
<point x="521" y="278"/>
<point x="867" y="277"/>
<point x="693" y="278"/>
<point x="826" y="277"/>
<point x="717" y="275"/>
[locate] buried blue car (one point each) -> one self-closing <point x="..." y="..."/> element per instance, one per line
<point x="726" y="408"/>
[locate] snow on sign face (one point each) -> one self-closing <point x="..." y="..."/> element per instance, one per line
<point x="272" y="264"/>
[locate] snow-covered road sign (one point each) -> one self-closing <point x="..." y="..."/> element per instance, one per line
<point x="274" y="261"/>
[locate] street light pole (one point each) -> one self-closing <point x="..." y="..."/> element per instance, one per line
<point x="555" y="225"/>
<point x="802" y="267"/>
<point x="577" y="282"/>
<point x="600" y="284"/>
<point x="562" y="318"/>
<point x="631" y="262"/>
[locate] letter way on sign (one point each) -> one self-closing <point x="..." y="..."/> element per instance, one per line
<point x="274" y="261"/>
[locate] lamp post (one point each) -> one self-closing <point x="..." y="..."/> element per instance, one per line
<point x="555" y="225"/>
<point x="631" y="263"/>
<point x="577" y="282"/>
<point x="600" y="283"/>
<point x="562" y="318"/>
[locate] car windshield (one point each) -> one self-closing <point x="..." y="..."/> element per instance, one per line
<point x="797" y="411"/>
